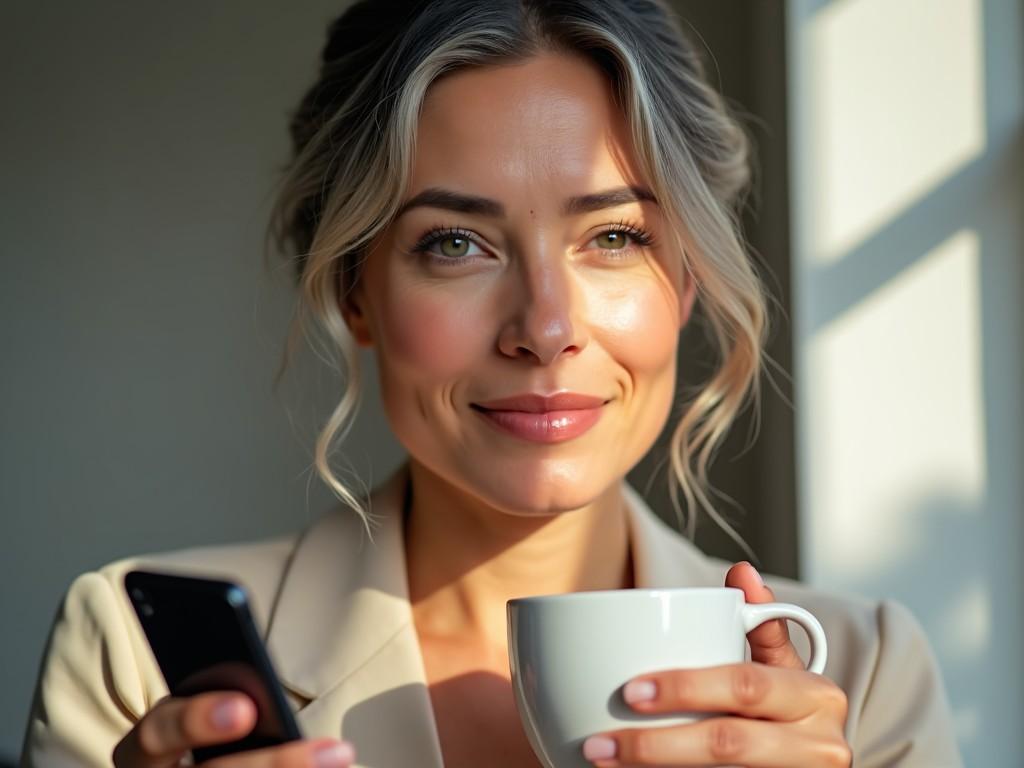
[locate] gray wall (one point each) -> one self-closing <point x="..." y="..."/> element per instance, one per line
<point x="139" y="331"/>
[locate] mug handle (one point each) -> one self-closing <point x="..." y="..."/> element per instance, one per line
<point x="756" y="614"/>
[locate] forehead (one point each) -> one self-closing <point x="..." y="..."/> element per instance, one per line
<point x="545" y="124"/>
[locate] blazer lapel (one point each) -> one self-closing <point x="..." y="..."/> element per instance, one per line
<point x="341" y="635"/>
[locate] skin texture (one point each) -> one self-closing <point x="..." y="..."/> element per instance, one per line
<point x="542" y="309"/>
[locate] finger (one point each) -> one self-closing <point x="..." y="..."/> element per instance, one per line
<point x="176" y="724"/>
<point x="722" y="741"/>
<point x="321" y="753"/>
<point x="750" y="689"/>
<point x="769" y="643"/>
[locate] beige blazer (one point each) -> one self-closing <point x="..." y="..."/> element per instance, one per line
<point x="335" y="612"/>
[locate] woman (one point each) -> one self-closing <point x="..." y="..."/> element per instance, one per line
<point x="516" y="205"/>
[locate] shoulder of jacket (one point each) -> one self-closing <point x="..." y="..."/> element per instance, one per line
<point x="257" y="566"/>
<point x="96" y="628"/>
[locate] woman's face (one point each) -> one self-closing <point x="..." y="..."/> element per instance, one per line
<point x="540" y="291"/>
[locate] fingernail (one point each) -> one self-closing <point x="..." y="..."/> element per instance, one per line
<point x="759" y="576"/>
<point x="597" y="747"/>
<point x="639" y="690"/>
<point x="226" y="714"/>
<point x="336" y="755"/>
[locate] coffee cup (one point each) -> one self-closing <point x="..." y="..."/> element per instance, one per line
<point x="571" y="654"/>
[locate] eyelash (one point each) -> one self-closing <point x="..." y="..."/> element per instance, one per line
<point x="437" y="235"/>
<point x="640" y="236"/>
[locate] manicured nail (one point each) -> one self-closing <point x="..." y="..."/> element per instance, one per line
<point x="639" y="690"/>
<point x="597" y="747"/>
<point x="759" y="576"/>
<point x="336" y="755"/>
<point x="226" y="714"/>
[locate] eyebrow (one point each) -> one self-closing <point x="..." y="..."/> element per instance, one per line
<point x="436" y="197"/>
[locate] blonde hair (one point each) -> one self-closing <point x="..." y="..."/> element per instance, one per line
<point x="355" y="130"/>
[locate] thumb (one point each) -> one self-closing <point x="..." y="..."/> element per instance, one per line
<point x="769" y="643"/>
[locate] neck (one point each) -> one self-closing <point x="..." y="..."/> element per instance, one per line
<point x="465" y="559"/>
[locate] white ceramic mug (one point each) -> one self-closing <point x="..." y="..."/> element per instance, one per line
<point x="571" y="654"/>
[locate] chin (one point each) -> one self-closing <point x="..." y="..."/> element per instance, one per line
<point x="537" y="488"/>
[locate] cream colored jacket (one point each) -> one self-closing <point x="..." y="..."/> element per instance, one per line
<point x="336" y="616"/>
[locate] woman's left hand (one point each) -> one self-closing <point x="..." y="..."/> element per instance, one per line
<point x="778" y="713"/>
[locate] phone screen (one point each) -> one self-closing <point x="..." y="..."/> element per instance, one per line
<point x="204" y="639"/>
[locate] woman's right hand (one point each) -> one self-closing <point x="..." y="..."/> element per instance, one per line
<point x="177" y="724"/>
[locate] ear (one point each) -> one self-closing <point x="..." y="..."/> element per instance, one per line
<point x="353" y="310"/>
<point x="687" y="298"/>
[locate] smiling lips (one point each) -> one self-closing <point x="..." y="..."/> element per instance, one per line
<point x="541" y="419"/>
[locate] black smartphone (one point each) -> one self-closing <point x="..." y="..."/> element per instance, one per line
<point x="204" y="639"/>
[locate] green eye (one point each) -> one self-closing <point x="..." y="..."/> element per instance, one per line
<point x="613" y="240"/>
<point x="448" y="247"/>
<point x="454" y="246"/>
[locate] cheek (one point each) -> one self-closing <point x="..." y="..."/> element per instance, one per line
<point x="429" y="337"/>
<point x="640" y="326"/>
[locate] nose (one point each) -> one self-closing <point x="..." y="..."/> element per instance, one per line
<point x="546" y="320"/>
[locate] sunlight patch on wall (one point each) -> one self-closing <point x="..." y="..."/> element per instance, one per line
<point x="965" y="629"/>
<point x="898" y="89"/>
<point x="966" y="723"/>
<point x="897" y="403"/>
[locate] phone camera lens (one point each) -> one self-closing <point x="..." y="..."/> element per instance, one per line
<point x="142" y="602"/>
